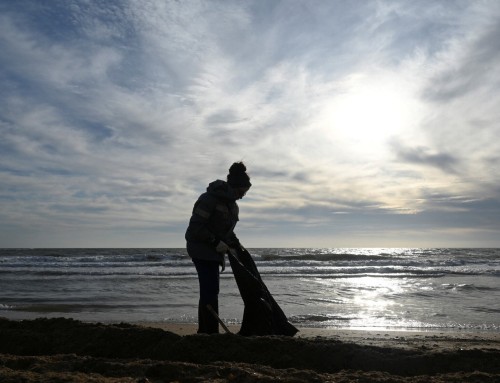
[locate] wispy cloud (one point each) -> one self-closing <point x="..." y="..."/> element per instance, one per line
<point x="423" y="156"/>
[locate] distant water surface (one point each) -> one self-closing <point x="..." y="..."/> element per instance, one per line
<point x="444" y="288"/>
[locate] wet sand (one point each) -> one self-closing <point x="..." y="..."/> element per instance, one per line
<point x="434" y="339"/>
<point x="65" y="350"/>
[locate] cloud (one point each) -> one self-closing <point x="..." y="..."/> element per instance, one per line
<point x="467" y="66"/>
<point x="424" y="156"/>
<point x="115" y="116"/>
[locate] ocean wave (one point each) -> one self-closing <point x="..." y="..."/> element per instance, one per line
<point x="325" y="257"/>
<point x="22" y="275"/>
<point x="328" y="262"/>
<point x="317" y="318"/>
<point x="489" y="310"/>
<point x="74" y="307"/>
<point x="176" y="270"/>
<point x="191" y="272"/>
<point x="467" y="287"/>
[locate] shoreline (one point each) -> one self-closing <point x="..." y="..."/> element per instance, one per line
<point x="435" y="338"/>
<point x="59" y="349"/>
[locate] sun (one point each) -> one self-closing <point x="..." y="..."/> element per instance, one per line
<point x="369" y="111"/>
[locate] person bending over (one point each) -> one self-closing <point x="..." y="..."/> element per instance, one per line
<point x="210" y="235"/>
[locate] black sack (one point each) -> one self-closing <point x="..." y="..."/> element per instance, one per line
<point x="261" y="315"/>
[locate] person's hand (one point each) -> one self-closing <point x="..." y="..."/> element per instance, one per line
<point x="222" y="247"/>
<point x="223" y="264"/>
<point x="233" y="242"/>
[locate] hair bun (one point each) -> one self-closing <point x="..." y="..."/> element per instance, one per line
<point x="237" y="176"/>
<point x="237" y="168"/>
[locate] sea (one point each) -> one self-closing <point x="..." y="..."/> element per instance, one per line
<point x="345" y="288"/>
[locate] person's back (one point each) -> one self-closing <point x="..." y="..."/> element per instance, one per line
<point x="214" y="217"/>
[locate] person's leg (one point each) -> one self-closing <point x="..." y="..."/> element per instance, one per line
<point x="208" y="276"/>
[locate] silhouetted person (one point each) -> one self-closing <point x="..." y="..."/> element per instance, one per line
<point x="210" y="235"/>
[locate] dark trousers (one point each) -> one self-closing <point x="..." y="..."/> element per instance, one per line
<point x="208" y="276"/>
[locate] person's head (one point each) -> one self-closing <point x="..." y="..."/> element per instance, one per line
<point x="238" y="179"/>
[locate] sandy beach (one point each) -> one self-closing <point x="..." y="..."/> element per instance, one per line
<point x="65" y="350"/>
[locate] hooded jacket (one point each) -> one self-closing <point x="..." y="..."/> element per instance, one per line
<point x="213" y="219"/>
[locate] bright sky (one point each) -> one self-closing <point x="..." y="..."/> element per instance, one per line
<point x="362" y="123"/>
